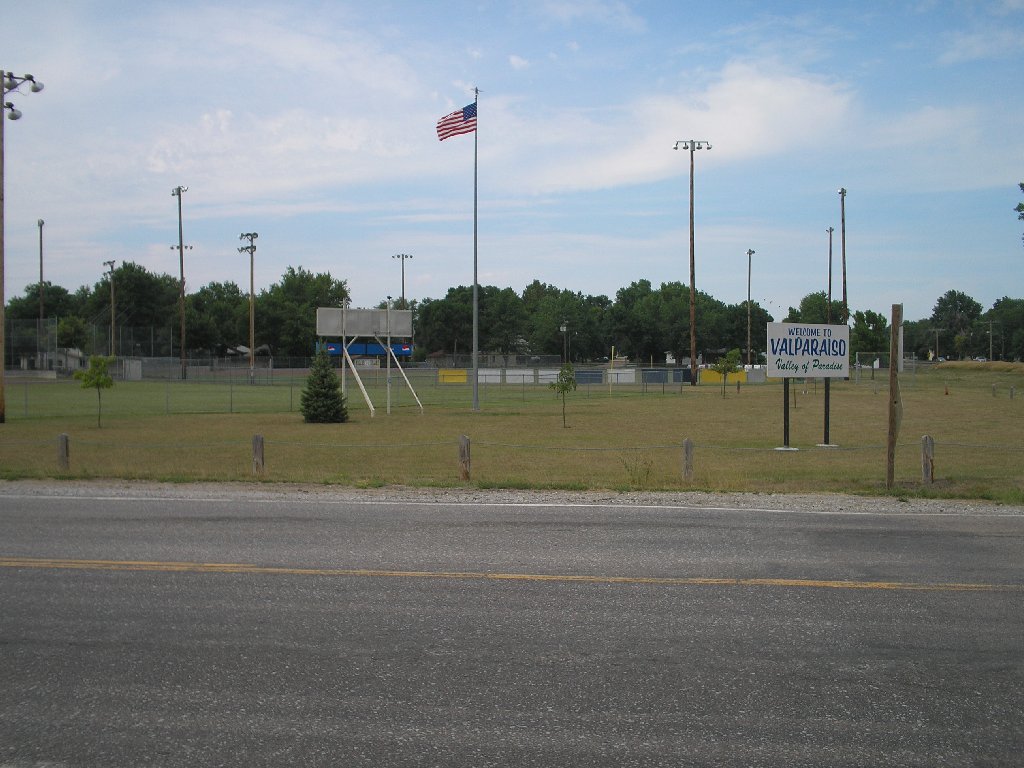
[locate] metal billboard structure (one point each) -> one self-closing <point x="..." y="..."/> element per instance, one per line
<point x="343" y="321"/>
<point x="350" y="325"/>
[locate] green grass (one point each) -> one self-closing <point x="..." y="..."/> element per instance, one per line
<point x="626" y="439"/>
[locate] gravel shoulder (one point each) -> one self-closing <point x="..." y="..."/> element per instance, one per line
<point x="823" y="503"/>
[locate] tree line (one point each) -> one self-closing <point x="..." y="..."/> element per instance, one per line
<point x="216" y="315"/>
<point x="642" y="322"/>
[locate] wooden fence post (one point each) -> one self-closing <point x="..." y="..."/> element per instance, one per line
<point x="63" y="452"/>
<point x="258" y="464"/>
<point x="464" y="462"/>
<point x="927" y="459"/>
<point x="687" y="459"/>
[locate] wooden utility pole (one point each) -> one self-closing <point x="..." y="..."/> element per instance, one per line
<point x="113" y="312"/>
<point x="895" y="403"/>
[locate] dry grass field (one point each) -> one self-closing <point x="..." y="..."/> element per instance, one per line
<point x="626" y="438"/>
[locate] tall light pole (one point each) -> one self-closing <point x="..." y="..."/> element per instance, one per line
<point x="403" y="257"/>
<point x="39" y="330"/>
<point x="41" y="291"/>
<point x="387" y="352"/>
<point x="176" y="192"/>
<point x="750" y="253"/>
<point x="251" y="250"/>
<point x="692" y="145"/>
<point x="842" y="226"/>
<point x="828" y="319"/>
<point x="937" y="332"/>
<point x="110" y="264"/>
<point x="990" y="323"/>
<point x="828" y="305"/>
<point x="11" y="82"/>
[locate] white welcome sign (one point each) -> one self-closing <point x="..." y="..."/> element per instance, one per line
<point x="804" y="349"/>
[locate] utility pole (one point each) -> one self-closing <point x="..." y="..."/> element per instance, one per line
<point x="842" y="225"/>
<point x="750" y="253"/>
<point x="251" y="250"/>
<point x="177" y="192"/>
<point x="937" y="331"/>
<point x="110" y="265"/>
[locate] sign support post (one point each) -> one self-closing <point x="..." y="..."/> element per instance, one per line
<point x="785" y="415"/>
<point x="807" y="350"/>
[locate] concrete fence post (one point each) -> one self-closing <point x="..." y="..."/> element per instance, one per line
<point x="464" y="460"/>
<point x="63" y="452"/>
<point x="927" y="459"/>
<point x="258" y="464"/>
<point x="687" y="459"/>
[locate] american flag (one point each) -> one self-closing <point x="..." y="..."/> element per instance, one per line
<point x="460" y="121"/>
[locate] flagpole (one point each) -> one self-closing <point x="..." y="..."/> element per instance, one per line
<point x="476" y="288"/>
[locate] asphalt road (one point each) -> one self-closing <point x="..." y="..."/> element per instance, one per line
<point x="174" y="632"/>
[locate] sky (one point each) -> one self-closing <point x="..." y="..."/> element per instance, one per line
<point x="313" y="124"/>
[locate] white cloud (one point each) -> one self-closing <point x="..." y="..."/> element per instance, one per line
<point x="748" y="110"/>
<point x="985" y="44"/>
<point x="609" y="13"/>
<point x="518" y="62"/>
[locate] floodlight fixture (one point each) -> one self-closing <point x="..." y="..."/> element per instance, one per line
<point x="9" y="82"/>
<point x="693" y="144"/>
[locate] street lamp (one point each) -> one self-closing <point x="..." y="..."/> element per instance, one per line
<point x="842" y="224"/>
<point x="251" y="250"/>
<point x="176" y="192"/>
<point x="564" y="328"/>
<point x="11" y="83"/>
<point x="403" y="257"/>
<point x="692" y="145"/>
<point x="110" y="264"/>
<point x="750" y="253"/>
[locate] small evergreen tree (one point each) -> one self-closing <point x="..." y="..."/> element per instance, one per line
<point x="322" y="401"/>
<point x="564" y="384"/>
<point x="96" y="377"/>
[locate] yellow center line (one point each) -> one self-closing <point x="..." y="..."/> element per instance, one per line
<point x="245" y="568"/>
